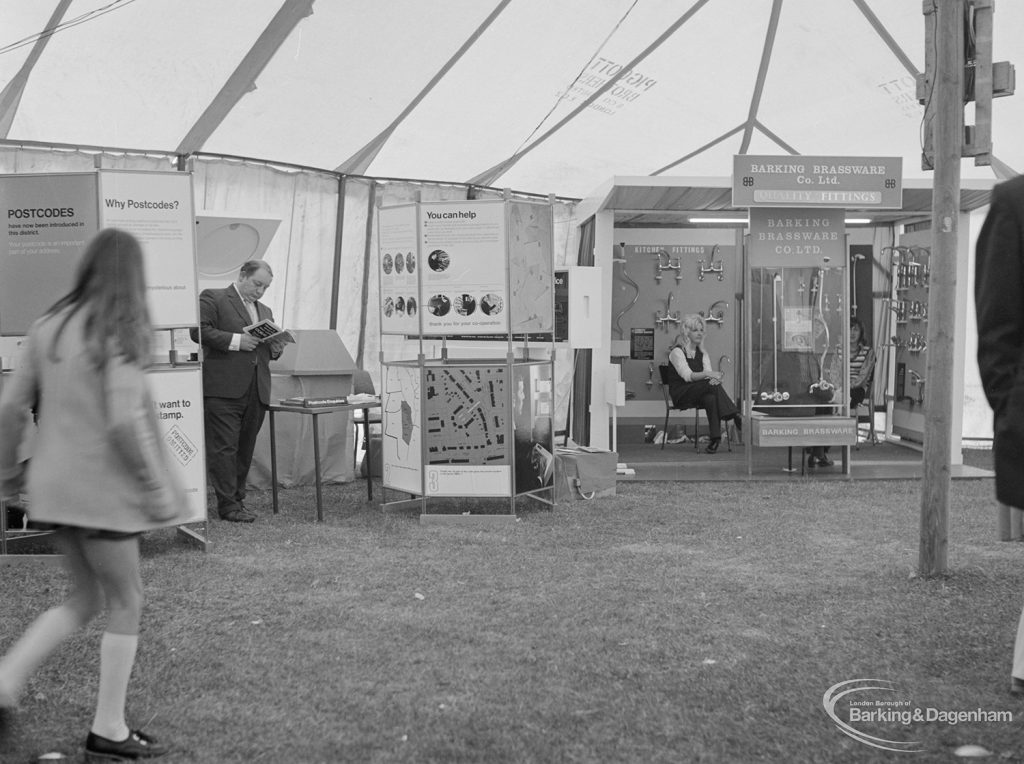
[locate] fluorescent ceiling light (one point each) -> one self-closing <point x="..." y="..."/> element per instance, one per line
<point x="857" y="221"/>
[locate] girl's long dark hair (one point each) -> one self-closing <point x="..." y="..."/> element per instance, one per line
<point x="110" y="286"/>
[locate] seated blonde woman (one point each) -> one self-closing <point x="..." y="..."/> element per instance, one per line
<point x="693" y="382"/>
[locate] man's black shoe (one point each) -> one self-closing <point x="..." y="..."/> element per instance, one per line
<point x="238" y="516"/>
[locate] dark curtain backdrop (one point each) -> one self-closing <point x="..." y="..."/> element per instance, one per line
<point x="579" y="421"/>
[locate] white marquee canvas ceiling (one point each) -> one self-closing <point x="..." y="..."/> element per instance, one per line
<point x="452" y="89"/>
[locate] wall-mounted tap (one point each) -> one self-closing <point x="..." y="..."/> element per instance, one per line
<point x="666" y="263"/>
<point x="899" y="307"/>
<point x="716" y="313"/>
<point x="914" y="270"/>
<point x="715" y="266"/>
<point x="669" y="316"/>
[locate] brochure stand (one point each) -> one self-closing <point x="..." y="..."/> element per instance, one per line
<point x="468" y="422"/>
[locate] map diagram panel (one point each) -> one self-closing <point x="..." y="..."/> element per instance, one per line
<point x="401" y="436"/>
<point x="466" y="413"/>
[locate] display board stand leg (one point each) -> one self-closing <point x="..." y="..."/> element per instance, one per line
<point x="193" y="536"/>
<point x="475" y="520"/>
<point x="16" y="559"/>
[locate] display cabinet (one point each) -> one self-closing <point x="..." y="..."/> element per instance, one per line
<point x="799" y="340"/>
<point x="908" y="346"/>
<point x="457" y="424"/>
<point x="797" y="332"/>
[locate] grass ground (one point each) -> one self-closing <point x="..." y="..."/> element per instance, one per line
<point x="697" y="622"/>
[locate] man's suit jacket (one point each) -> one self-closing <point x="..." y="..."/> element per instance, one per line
<point x="999" y="301"/>
<point x="228" y="373"/>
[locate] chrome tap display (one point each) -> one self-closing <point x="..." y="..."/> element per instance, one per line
<point x="666" y="263"/>
<point x="669" y="316"/>
<point x="712" y="266"/>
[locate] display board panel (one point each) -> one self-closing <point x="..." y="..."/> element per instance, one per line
<point x="531" y="268"/>
<point x="156" y="207"/>
<point x="178" y="400"/>
<point x="464" y="274"/>
<point x="532" y="413"/>
<point x="399" y="270"/>
<point x="401" y="430"/>
<point x="466" y="410"/>
<point x="48" y="220"/>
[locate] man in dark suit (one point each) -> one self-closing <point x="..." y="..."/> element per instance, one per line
<point x="236" y="382"/>
<point x="999" y="302"/>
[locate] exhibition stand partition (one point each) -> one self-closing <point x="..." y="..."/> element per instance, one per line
<point x="50" y="218"/>
<point x="777" y="259"/>
<point x="798" y="289"/>
<point x="469" y="419"/>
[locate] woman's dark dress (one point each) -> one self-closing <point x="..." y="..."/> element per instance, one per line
<point x="701" y="394"/>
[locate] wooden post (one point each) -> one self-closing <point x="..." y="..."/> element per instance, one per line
<point x="947" y="91"/>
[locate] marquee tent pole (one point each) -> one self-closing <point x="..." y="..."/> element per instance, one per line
<point x="947" y="92"/>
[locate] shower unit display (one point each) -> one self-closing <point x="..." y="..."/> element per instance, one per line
<point x="797" y="281"/>
<point x="797" y="329"/>
<point x="799" y="338"/>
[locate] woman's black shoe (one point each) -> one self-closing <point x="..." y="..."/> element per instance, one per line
<point x="138" y="745"/>
<point x="712" y="446"/>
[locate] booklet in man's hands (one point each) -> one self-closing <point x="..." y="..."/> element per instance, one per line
<point x="268" y="330"/>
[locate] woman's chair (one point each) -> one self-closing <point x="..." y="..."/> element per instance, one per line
<point x="865" y="415"/>
<point x="663" y="371"/>
<point x="362" y="382"/>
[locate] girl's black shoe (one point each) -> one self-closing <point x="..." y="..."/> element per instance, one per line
<point x="712" y="446"/>
<point x="138" y="745"/>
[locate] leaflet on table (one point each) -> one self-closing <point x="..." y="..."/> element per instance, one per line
<point x="309" y="403"/>
<point x="356" y="399"/>
<point x="268" y="330"/>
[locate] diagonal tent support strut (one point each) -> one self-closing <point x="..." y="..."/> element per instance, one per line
<point x="10" y="97"/>
<point x="765" y="131"/>
<point x="887" y="38"/>
<point x="358" y="163"/>
<point x="701" y="150"/>
<point x="490" y="176"/>
<point x="243" y="79"/>
<point x="711" y="144"/>
<point x="762" y="75"/>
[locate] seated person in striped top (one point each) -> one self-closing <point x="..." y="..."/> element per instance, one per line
<point x="862" y="364"/>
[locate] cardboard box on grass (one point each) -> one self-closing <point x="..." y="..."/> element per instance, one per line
<point x="584" y="475"/>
